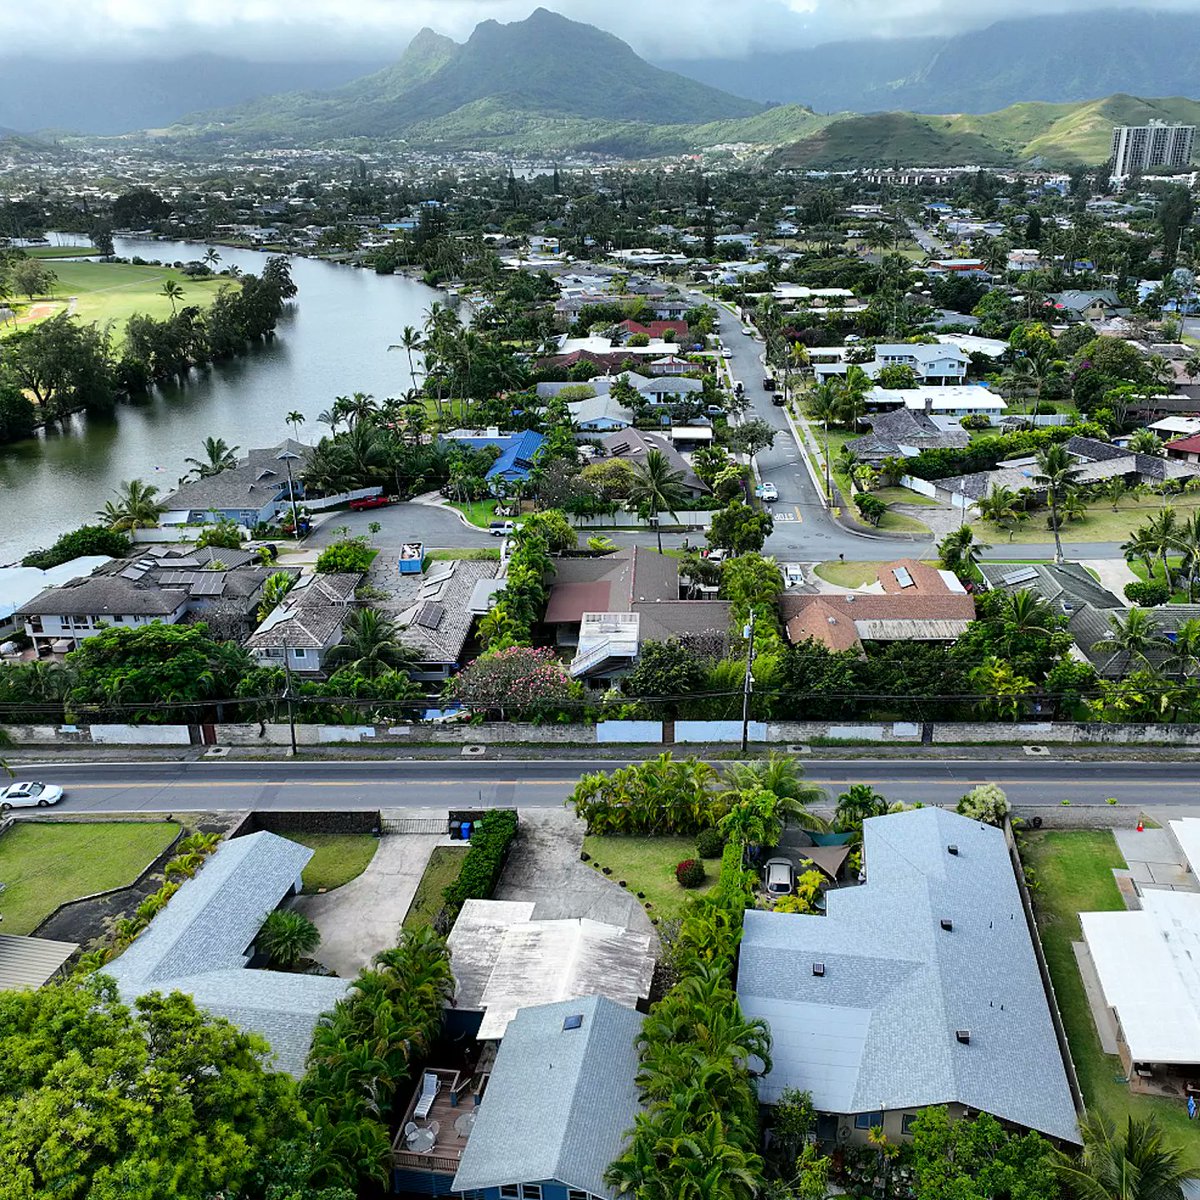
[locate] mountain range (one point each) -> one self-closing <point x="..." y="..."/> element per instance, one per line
<point x="1056" y="58"/>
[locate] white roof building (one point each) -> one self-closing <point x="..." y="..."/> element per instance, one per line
<point x="948" y="401"/>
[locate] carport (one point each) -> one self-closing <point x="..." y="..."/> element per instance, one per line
<point x="26" y="963"/>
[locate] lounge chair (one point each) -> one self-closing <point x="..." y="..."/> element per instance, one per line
<point x="430" y="1085"/>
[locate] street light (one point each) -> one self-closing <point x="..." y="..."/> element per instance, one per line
<point x="287" y="457"/>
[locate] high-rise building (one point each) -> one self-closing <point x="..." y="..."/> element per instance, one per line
<point x="1139" y="147"/>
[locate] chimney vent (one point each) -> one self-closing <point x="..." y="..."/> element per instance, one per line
<point x="947" y="924"/>
<point x="952" y="849"/>
<point x="818" y="969"/>
<point x="963" y="1036"/>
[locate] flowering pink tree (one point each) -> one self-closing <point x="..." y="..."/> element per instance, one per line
<point x="531" y="682"/>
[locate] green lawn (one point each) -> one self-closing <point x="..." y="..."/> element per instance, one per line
<point x="1100" y="525"/>
<point x="1138" y="567"/>
<point x="61" y="251"/>
<point x="903" y="495"/>
<point x="894" y="522"/>
<point x="647" y="864"/>
<point x="478" y="512"/>
<point x="444" y="865"/>
<point x="1073" y="873"/>
<point x="472" y="554"/>
<point x="338" y="857"/>
<point x="115" y="291"/>
<point x="853" y="574"/>
<point x="42" y="865"/>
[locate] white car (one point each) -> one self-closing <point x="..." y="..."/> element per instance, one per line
<point x="29" y="795"/>
<point x="768" y="493"/>
<point x="727" y="353"/>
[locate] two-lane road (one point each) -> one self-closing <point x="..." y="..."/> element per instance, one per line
<point x="412" y="784"/>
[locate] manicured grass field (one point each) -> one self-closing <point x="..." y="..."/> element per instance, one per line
<point x="1138" y="567"/>
<point x="894" y="522"/>
<point x="338" y="857"/>
<point x="43" y="865"/>
<point x="1073" y="874"/>
<point x="471" y="554"/>
<point x="61" y="251"/>
<point x="115" y="291"/>
<point x="479" y="512"/>
<point x="903" y="495"/>
<point x="1100" y="525"/>
<point x="442" y="870"/>
<point x="647" y="864"/>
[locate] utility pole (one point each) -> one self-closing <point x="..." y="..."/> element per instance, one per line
<point x="287" y="695"/>
<point x="748" y="685"/>
<point x="288" y="457"/>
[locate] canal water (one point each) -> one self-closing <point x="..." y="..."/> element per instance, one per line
<point x="333" y="340"/>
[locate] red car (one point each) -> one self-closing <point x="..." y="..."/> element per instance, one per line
<point x="365" y="502"/>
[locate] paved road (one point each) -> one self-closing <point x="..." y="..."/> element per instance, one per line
<point x="222" y="786"/>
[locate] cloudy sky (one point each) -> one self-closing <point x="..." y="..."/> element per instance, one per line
<point x="379" y="29"/>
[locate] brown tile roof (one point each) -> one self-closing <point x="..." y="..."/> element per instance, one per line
<point x="569" y="601"/>
<point x="843" y="633"/>
<point x="823" y="622"/>
<point x="927" y="580"/>
<point x="611" y="584"/>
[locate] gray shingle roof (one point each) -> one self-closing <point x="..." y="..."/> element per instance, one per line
<point x="878" y="1029"/>
<point x="311" y="616"/>
<point x="103" y="596"/>
<point x="1067" y="586"/>
<point x="1091" y="626"/>
<point x="439" y="633"/>
<point x="257" y="479"/>
<point x="559" y="1102"/>
<point x="198" y="945"/>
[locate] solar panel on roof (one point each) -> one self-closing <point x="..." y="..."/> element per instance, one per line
<point x="903" y="577"/>
<point x="1024" y="575"/>
<point x="134" y="573"/>
<point x="431" y="616"/>
<point x="208" y="585"/>
<point x="177" y="578"/>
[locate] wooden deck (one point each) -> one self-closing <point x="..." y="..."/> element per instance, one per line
<point x="448" y="1149"/>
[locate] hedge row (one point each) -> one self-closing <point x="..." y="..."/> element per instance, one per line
<point x="984" y="453"/>
<point x="490" y="840"/>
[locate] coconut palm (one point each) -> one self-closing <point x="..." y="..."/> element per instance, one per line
<point x="1183" y="657"/>
<point x="783" y="777"/>
<point x="274" y="589"/>
<point x="658" y="488"/>
<point x="1056" y="472"/>
<point x="1025" y="614"/>
<point x="173" y="292"/>
<point x="218" y="457"/>
<point x="999" y="506"/>
<point x="295" y="419"/>
<point x="496" y="627"/>
<point x="855" y="805"/>
<point x="135" y="507"/>
<point x="1136" y="1164"/>
<point x="1132" y="638"/>
<point x="958" y="551"/>
<point x="1146" y="441"/>
<point x="1163" y="532"/>
<point x="211" y="257"/>
<point x="1187" y="541"/>
<point x="370" y="645"/>
<point x="287" y="936"/>
<point x="411" y="343"/>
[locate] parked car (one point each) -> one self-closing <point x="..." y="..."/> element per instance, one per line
<point x="502" y="528"/>
<point x="727" y="353"/>
<point x="779" y="877"/>
<point x="768" y="493"/>
<point x="747" y="331"/>
<point x="793" y="574"/>
<point x="778" y="399"/>
<point x="29" y="795"/>
<point x="739" y="387"/>
<point x="768" y="383"/>
<point x="365" y="502"/>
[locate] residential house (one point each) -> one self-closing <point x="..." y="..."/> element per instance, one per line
<point x="19" y="585"/>
<point x="909" y="602"/>
<point x="1022" y="261"/>
<point x="1078" y="305"/>
<point x="306" y="625"/>
<point x="932" y="364"/>
<point x="950" y="402"/>
<point x="668" y="331"/>
<point x="905" y="432"/>
<point x="1065" y="586"/>
<point x="670" y="364"/>
<point x="505" y="961"/>
<point x="560" y="1099"/>
<point x="202" y="944"/>
<point x="437" y="619"/>
<point x="600" y="413"/>
<point x="607" y="608"/>
<point x="634" y="445"/>
<point x="1186" y="449"/>
<point x="918" y="988"/>
<point x="252" y="493"/>
<point x="519" y="452"/>
<point x="165" y="583"/>
<point x="1092" y="629"/>
<point x="958" y="266"/>
<point x="1144" y="961"/>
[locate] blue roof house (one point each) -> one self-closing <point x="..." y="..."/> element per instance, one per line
<point x="559" y="1103"/>
<point x="518" y="453"/>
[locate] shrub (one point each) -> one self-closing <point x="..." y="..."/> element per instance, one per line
<point x="710" y="843"/>
<point x="87" y="539"/>
<point x="987" y="803"/>
<point x="690" y="873"/>
<point x="287" y="936"/>
<point x="976" y="421"/>
<point x="490" y="841"/>
<point x="352" y="556"/>
<point x="1148" y="593"/>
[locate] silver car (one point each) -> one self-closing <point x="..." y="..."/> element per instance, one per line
<point x="29" y="795"/>
<point x="779" y="877"/>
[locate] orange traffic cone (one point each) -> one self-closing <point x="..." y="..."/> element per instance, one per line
<point x="1141" y="828"/>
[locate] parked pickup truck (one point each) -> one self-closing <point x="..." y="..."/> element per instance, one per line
<point x="502" y="528"/>
<point x="365" y="502"/>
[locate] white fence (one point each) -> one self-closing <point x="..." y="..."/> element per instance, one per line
<point x="700" y="519"/>
<point x="921" y="486"/>
<point x="324" y="502"/>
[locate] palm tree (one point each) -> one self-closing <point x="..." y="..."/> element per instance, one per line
<point x="958" y="551"/>
<point x="496" y="627"/>
<point x="1187" y="540"/>
<point x="1133" y="636"/>
<point x="855" y="805"/>
<point x="287" y="936"/>
<point x="999" y="506"/>
<point x="657" y="488"/>
<point x="218" y="457"/>
<point x="295" y="419"/>
<point x="1184" y="655"/>
<point x="1146" y="441"/>
<point x="410" y="342"/>
<point x="136" y="507"/>
<point x="1138" y="1164"/>
<point x="1025" y="613"/>
<point x="782" y="777"/>
<point x="211" y="258"/>
<point x="274" y="589"/>
<point x="1163" y="532"/>
<point x="173" y="292"/>
<point x="1057" y="472"/>
<point x="370" y="645"/>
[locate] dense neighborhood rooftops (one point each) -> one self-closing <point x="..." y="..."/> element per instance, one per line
<point x="311" y="614"/>
<point x="878" y="1029"/>
<point x="560" y="1099"/>
<point x="200" y="942"/>
<point x="504" y="961"/>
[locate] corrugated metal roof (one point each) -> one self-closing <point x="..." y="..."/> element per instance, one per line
<point x="29" y="962"/>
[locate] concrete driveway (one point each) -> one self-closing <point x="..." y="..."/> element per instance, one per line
<point x="364" y="916"/>
<point x="544" y="867"/>
<point x="437" y="527"/>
